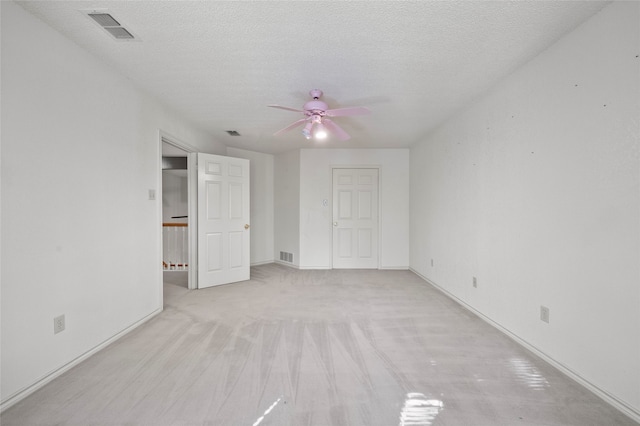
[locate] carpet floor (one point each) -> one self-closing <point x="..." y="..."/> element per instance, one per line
<point x="334" y="347"/>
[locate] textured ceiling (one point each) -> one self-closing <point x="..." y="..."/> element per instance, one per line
<point x="413" y="64"/>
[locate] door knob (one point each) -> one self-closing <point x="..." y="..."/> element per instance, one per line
<point x="246" y="226"/>
<point x="335" y="223"/>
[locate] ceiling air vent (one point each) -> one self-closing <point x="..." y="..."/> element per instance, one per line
<point x="119" y="33"/>
<point x="104" y="20"/>
<point x="233" y="133"/>
<point x="111" y="25"/>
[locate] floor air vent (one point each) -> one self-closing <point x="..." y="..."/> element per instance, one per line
<point x="286" y="257"/>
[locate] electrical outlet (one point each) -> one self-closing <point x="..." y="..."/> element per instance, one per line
<point x="58" y="324"/>
<point x="152" y="194"/>
<point x="475" y="282"/>
<point x="544" y="314"/>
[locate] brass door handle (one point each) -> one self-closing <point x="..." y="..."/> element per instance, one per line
<point x="246" y="226"/>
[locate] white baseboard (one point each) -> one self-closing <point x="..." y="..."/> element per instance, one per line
<point x="262" y="262"/>
<point x="301" y="268"/>
<point x="323" y="268"/>
<point x="20" y="395"/>
<point x="287" y="264"/>
<point x="291" y="265"/>
<point x="621" y="406"/>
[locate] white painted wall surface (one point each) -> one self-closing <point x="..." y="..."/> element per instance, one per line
<point x="261" y="203"/>
<point x="535" y="191"/>
<point x="79" y="235"/>
<point x="316" y="220"/>
<point x="286" y="212"/>
<point x="175" y="196"/>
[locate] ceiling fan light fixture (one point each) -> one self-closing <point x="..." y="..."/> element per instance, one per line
<point x="307" y="130"/>
<point x="321" y="132"/>
<point x="317" y="113"/>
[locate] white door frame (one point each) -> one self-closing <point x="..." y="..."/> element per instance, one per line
<point x="164" y="137"/>
<point x="361" y="166"/>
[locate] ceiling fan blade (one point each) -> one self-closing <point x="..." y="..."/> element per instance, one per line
<point x="287" y="108"/>
<point x="336" y="130"/>
<point x="291" y="126"/>
<point x="348" y="111"/>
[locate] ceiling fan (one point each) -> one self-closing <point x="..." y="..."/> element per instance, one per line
<point x="316" y="116"/>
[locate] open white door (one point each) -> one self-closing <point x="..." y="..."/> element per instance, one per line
<point x="223" y="220"/>
<point x="355" y="218"/>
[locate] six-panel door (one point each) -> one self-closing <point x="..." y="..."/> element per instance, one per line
<point x="355" y="218"/>
<point x="223" y="220"/>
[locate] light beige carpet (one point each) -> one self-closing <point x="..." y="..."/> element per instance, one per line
<point x="292" y="347"/>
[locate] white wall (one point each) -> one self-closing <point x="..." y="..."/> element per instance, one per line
<point x="79" y="235"/>
<point x="261" y="176"/>
<point x="286" y="212"/>
<point x="316" y="220"/>
<point x="175" y="195"/>
<point x="535" y="191"/>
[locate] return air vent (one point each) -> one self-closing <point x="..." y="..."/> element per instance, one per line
<point x="111" y="25"/>
<point x="286" y="257"/>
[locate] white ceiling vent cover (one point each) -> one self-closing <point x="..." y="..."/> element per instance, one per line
<point x="104" y="19"/>
<point x="119" y="33"/>
<point x="111" y="25"/>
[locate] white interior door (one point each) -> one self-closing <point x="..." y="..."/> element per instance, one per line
<point x="223" y="220"/>
<point x="355" y="218"/>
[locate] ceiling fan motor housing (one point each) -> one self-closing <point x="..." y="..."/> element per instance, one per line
<point x="315" y="107"/>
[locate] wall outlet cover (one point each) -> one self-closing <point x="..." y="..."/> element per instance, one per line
<point x="58" y="324"/>
<point x="544" y="314"/>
